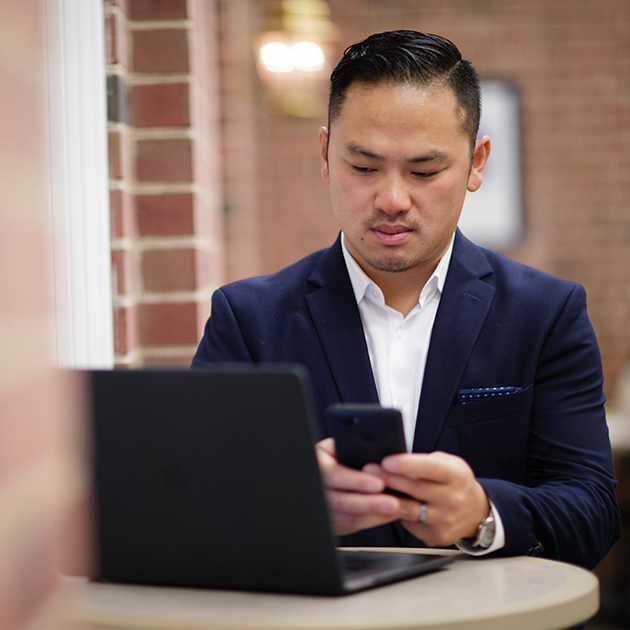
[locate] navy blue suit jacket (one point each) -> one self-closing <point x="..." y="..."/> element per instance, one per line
<point x="543" y="454"/>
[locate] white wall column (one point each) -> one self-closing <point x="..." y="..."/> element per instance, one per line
<point x="79" y="198"/>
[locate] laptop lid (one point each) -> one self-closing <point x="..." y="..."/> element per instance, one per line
<point x="208" y="478"/>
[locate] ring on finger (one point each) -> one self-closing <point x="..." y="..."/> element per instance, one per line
<point x="422" y="516"/>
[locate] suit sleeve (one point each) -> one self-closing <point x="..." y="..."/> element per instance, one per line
<point x="223" y="339"/>
<point x="566" y="509"/>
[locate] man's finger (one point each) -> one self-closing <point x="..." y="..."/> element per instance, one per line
<point x="337" y="476"/>
<point x="435" y="467"/>
<point x="327" y="445"/>
<point x="357" y="503"/>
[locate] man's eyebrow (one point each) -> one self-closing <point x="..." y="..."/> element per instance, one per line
<point x="431" y="156"/>
<point x="357" y="149"/>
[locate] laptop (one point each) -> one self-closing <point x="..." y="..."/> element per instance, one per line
<point x="208" y="478"/>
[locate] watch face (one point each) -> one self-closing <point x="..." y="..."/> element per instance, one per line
<point x="486" y="535"/>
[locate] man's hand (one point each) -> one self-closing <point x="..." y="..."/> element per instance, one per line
<point x="355" y="498"/>
<point x="455" y="501"/>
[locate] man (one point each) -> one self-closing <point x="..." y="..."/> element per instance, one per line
<point x="494" y="365"/>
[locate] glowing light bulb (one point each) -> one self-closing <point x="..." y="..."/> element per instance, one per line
<point x="277" y="57"/>
<point x="308" y="56"/>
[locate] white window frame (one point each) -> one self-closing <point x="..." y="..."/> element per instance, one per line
<point x="78" y="185"/>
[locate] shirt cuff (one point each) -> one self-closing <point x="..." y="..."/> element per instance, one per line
<point x="498" y="542"/>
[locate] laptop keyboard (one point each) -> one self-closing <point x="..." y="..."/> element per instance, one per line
<point x="366" y="562"/>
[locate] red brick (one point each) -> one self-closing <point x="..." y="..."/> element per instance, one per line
<point x="118" y="275"/>
<point x="114" y="146"/>
<point x="168" y="324"/>
<point x="116" y="40"/>
<point x="120" y="330"/>
<point x="163" y="215"/>
<point x="111" y="39"/>
<point x="169" y="270"/>
<point x="125" y="329"/>
<point x="183" y="359"/>
<point x="122" y="272"/>
<point x="157" y="9"/>
<point x="121" y="214"/>
<point x="160" y="105"/>
<point x="164" y="160"/>
<point x="160" y="51"/>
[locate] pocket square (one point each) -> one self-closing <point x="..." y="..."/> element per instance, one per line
<point x="465" y="396"/>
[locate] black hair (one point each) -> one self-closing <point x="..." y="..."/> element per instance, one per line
<point x="408" y="57"/>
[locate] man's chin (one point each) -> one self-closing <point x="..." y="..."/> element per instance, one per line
<point x="393" y="265"/>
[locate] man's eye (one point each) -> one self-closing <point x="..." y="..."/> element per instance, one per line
<point x="362" y="169"/>
<point x="425" y="175"/>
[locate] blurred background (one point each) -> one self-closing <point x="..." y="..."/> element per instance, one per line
<point x="152" y="150"/>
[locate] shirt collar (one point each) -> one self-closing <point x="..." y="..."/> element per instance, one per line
<point x="363" y="286"/>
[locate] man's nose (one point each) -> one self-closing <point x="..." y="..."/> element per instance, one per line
<point x="393" y="195"/>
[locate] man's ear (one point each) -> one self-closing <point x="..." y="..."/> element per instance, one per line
<point x="479" y="160"/>
<point x="323" y="152"/>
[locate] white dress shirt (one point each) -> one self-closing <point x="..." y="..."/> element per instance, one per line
<point x="397" y="345"/>
<point x="398" y="348"/>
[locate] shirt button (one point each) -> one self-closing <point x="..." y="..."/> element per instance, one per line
<point x="400" y="332"/>
<point x="374" y="293"/>
<point x="399" y="405"/>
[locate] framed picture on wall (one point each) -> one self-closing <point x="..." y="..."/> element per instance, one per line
<point x="493" y="215"/>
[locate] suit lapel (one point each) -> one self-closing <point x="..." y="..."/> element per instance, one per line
<point x="463" y="308"/>
<point x="338" y="324"/>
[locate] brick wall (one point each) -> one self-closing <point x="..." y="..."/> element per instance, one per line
<point x="165" y="175"/>
<point x="41" y="477"/>
<point x="570" y="62"/>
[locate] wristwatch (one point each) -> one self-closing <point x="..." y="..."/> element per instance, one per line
<point x="485" y="533"/>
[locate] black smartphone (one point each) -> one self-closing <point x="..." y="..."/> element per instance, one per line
<point x="365" y="433"/>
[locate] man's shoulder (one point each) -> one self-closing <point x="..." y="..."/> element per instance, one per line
<point x="511" y="275"/>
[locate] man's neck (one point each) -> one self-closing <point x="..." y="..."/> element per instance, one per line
<point x="401" y="290"/>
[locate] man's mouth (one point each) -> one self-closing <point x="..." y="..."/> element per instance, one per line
<point x="391" y="234"/>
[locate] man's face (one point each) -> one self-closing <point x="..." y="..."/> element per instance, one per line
<point x="398" y="165"/>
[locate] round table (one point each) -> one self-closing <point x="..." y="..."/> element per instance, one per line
<point x="471" y="593"/>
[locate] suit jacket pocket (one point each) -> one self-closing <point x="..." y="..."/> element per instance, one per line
<point x="490" y="408"/>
